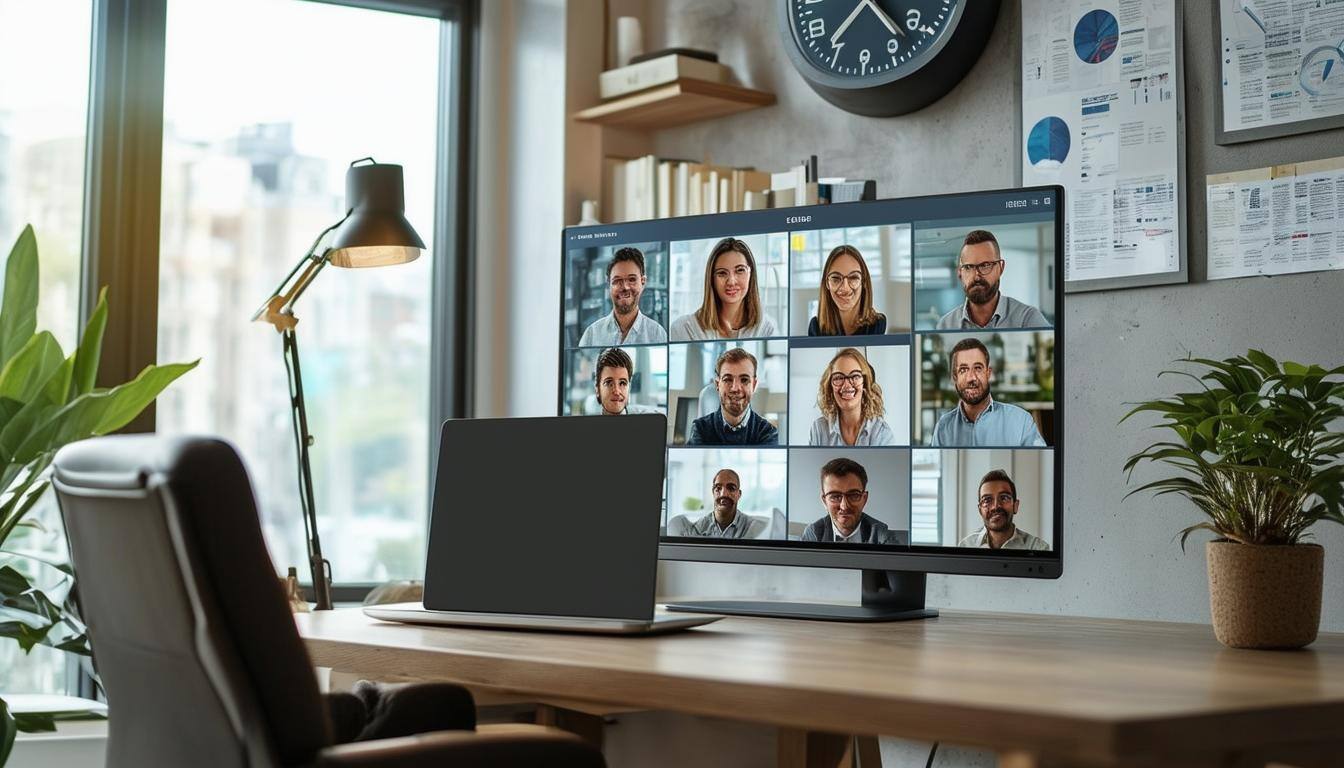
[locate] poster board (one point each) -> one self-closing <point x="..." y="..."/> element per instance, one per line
<point x="1281" y="68"/>
<point x="1103" y="115"/>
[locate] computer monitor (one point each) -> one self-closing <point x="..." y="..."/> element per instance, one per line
<point x="872" y="385"/>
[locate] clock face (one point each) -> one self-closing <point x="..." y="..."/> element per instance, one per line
<point x="869" y="40"/>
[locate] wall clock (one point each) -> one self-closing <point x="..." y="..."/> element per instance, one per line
<point x="885" y="57"/>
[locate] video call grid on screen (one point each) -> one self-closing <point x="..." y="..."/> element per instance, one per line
<point x="827" y="301"/>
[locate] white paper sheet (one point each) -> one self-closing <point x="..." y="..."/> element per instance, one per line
<point x="1282" y="61"/>
<point x="1099" y="116"/>
<point x="1275" y="221"/>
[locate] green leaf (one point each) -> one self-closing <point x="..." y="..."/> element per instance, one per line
<point x="28" y="370"/>
<point x="98" y="412"/>
<point x="8" y="730"/>
<point x="90" y="347"/>
<point x="18" y="312"/>
<point x="35" y="722"/>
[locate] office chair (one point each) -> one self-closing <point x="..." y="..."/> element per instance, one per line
<point x="195" y="644"/>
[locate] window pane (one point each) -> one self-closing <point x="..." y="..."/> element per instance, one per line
<point x="44" y="85"/>
<point x="255" y="152"/>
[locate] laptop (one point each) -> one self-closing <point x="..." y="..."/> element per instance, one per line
<point x="546" y="523"/>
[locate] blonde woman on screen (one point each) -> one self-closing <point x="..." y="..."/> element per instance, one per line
<point x="851" y="404"/>
<point x="845" y="304"/>
<point x="731" y="307"/>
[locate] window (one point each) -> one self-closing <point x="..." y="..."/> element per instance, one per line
<point x="255" y="152"/>
<point x="42" y="145"/>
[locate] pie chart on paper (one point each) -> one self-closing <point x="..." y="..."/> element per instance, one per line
<point x="1096" y="36"/>
<point x="1048" y="143"/>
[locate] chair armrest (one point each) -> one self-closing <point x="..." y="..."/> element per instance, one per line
<point x="523" y="747"/>
<point x="394" y="710"/>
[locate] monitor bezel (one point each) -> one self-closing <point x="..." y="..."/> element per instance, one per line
<point x="925" y="559"/>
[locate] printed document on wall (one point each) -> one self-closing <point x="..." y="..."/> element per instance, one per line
<point x="1275" y="221"/>
<point x="1099" y="116"/>
<point x="1282" y="61"/>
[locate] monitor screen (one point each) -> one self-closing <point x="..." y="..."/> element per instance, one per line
<point x="863" y="385"/>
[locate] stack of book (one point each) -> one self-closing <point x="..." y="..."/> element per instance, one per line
<point x="652" y="188"/>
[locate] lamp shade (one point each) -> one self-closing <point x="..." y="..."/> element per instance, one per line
<point x="376" y="233"/>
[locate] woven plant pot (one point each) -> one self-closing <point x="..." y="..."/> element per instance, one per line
<point x="1265" y="596"/>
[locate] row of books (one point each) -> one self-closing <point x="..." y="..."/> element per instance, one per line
<point x="649" y="187"/>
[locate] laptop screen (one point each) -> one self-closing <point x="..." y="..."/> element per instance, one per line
<point x="547" y="516"/>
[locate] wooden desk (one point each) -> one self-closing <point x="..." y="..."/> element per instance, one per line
<point x="1041" y="691"/>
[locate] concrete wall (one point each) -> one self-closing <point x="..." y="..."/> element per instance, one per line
<point x="1120" y="558"/>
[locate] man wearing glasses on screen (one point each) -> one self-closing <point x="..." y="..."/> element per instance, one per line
<point x="980" y="267"/>
<point x="998" y="506"/>
<point x="844" y="491"/>
<point x="626" y="324"/>
<point x="977" y="420"/>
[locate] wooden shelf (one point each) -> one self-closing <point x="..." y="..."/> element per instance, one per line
<point x="685" y="101"/>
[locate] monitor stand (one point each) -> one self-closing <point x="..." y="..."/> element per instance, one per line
<point x="887" y="596"/>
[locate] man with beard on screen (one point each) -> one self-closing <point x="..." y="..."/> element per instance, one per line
<point x="626" y="324"/>
<point x="727" y="521"/>
<point x="998" y="506"/>
<point x="980" y="267"/>
<point x="978" y="420"/>
<point x="734" y="423"/>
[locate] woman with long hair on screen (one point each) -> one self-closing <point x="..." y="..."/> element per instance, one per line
<point x="731" y="307"/>
<point x="845" y="305"/>
<point x="851" y="404"/>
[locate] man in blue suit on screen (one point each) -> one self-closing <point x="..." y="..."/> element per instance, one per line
<point x="844" y="491"/>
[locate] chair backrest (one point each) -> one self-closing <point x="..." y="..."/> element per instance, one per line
<point x="190" y="629"/>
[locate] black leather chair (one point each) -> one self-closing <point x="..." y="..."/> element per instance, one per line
<point x="196" y="647"/>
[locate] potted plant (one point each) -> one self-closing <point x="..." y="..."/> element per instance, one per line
<point x="46" y="401"/>
<point x="1254" y="451"/>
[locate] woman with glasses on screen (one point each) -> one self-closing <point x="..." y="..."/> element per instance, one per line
<point x="845" y="306"/>
<point x="851" y="404"/>
<point x="731" y="307"/>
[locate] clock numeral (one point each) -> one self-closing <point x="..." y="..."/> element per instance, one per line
<point x="864" y="56"/>
<point x="892" y="45"/>
<point x="912" y="19"/>
<point x="816" y="28"/>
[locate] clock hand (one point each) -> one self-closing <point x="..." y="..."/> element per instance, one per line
<point x="839" y="31"/>
<point x="887" y="21"/>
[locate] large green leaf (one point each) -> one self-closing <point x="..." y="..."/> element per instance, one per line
<point x="100" y="412"/>
<point x="90" y="348"/>
<point x="18" y="313"/>
<point x="27" y="372"/>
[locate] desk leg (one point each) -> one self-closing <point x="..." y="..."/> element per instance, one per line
<point x="812" y="749"/>
<point x="585" y="726"/>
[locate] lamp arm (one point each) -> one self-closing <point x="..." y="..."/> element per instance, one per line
<point x="278" y="309"/>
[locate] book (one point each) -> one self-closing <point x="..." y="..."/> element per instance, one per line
<point x="632" y="78"/>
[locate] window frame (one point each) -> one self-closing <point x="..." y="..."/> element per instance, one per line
<point x="123" y="177"/>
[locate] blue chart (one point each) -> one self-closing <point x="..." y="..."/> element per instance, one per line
<point x="1048" y="143"/>
<point x="1096" y="36"/>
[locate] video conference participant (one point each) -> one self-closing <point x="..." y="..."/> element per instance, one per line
<point x="727" y="521"/>
<point x="845" y="303"/>
<point x="734" y="423"/>
<point x="977" y="420"/>
<point x="851" y="404"/>
<point x="998" y="505"/>
<point x="614" y="371"/>
<point x="844" y="491"/>
<point x="731" y="304"/>
<point x="980" y="268"/>
<point x="626" y="324"/>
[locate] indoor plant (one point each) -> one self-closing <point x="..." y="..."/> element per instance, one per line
<point x="46" y="401"/>
<point x="1256" y="454"/>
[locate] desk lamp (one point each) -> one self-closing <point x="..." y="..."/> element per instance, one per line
<point x="373" y="233"/>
